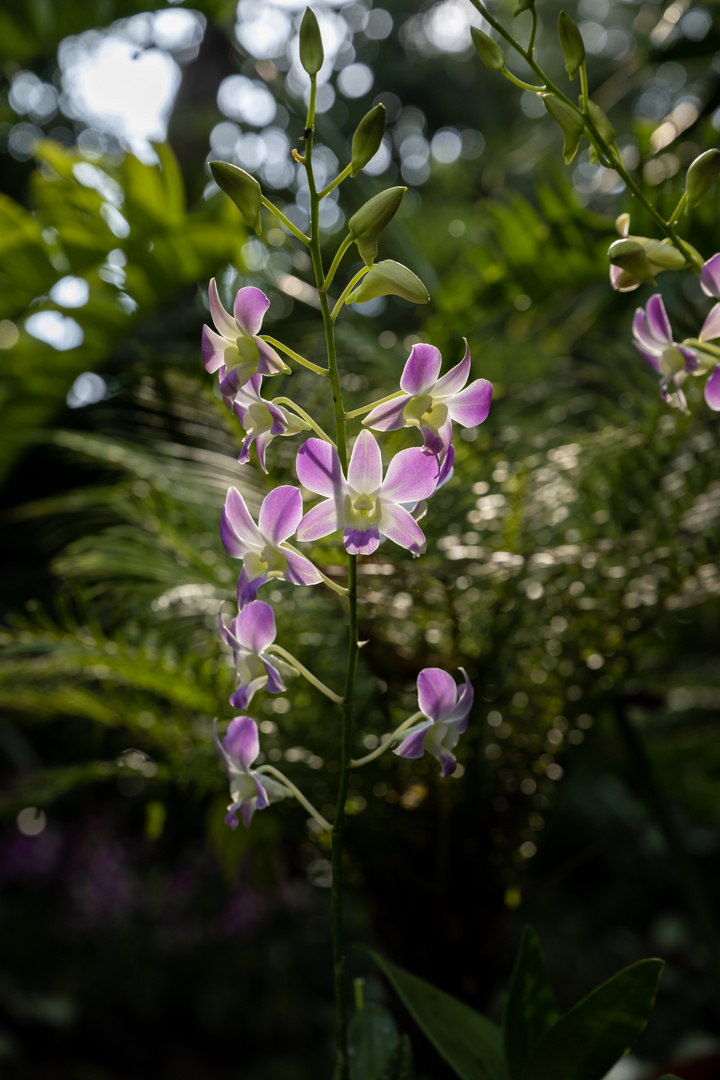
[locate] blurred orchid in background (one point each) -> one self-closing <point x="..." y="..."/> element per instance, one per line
<point x="249" y="790"/>
<point x="249" y="634"/>
<point x="447" y="712"/>
<point x="654" y="341"/>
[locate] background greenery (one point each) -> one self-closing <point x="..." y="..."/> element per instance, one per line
<point x="572" y="561"/>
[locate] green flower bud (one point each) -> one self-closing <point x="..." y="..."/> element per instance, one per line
<point x="632" y="258"/>
<point x="604" y="128"/>
<point x="242" y="188"/>
<point x="489" y="51"/>
<point x="662" y="255"/>
<point x="522" y="5"/>
<point x="312" y="53"/>
<point x="571" y="42"/>
<point x="370" y="220"/>
<point x="367" y="138"/>
<point x="701" y="176"/>
<point x="389" y="278"/>
<point x="571" y="122"/>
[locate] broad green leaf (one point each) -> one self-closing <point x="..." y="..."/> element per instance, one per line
<point x="372" y="1037"/>
<point x="530" y="1009"/>
<point x="469" y="1042"/>
<point x="587" y="1041"/>
<point x="400" y="1063"/>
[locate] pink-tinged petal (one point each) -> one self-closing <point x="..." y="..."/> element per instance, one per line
<point x="224" y="322"/>
<point x="249" y="309"/>
<point x="413" y="745"/>
<point x="472" y="405"/>
<point x="300" y="571"/>
<point x="249" y="393"/>
<point x="435" y="444"/>
<point x="318" y="468"/>
<point x="401" y="527"/>
<point x="437" y="693"/>
<point x="280" y="514"/>
<point x="446" y="469"/>
<point x="657" y="320"/>
<point x="216" y="351"/>
<point x="643" y="337"/>
<point x="238" y="531"/>
<point x="615" y="274"/>
<point x="262" y="796"/>
<point x="246" y="812"/>
<point x="387" y="417"/>
<point x="690" y="357"/>
<point x="242" y="697"/>
<point x="421" y="370"/>
<point x="242" y="742"/>
<point x="247" y="590"/>
<point x="244" y="455"/>
<point x="411" y="475"/>
<point x="279" y="419"/>
<point x="256" y="626"/>
<point x="228" y="763"/>
<point x="262" y="442"/>
<point x="712" y="390"/>
<point x="650" y="357"/>
<point x="365" y="467"/>
<point x="710" y="276"/>
<point x="231" y="818"/>
<point x="322" y="520"/>
<point x="711" y="327"/>
<point x="458" y="716"/>
<point x="361" y="541"/>
<point x="454" y="380"/>
<point x="228" y="635"/>
<point x="270" y="362"/>
<point x="448" y="764"/>
<point x="274" y="680"/>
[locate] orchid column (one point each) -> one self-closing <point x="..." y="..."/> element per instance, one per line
<point x="367" y="502"/>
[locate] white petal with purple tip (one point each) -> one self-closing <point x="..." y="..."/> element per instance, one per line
<point x="712" y="390"/>
<point x="472" y="405"/>
<point x="437" y="693"/>
<point x="453" y="381"/>
<point x="280" y="514"/>
<point x="365" y="467"/>
<point x="242" y="742"/>
<point x="411" y="475"/>
<point x="249" y="309"/>
<point x="421" y="369"/>
<point x="318" y="468"/>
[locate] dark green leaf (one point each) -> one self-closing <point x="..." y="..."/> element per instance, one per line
<point x="469" y="1042"/>
<point x="372" y="1037"/>
<point x="586" y="1042"/>
<point x="531" y="1009"/>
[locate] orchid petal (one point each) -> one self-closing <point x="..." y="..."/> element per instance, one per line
<point x="224" y="322"/>
<point x="712" y="390"/>
<point x="446" y="469"/>
<point x="421" y="369"/>
<point x="263" y="799"/>
<point x="387" y="417"/>
<point x="710" y="276"/>
<point x="453" y="380"/>
<point x="322" y="520"/>
<point x="238" y="531"/>
<point x="246" y="812"/>
<point x="275" y="685"/>
<point x="249" y="309"/>
<point x="401" y="527"/>
<point x="413" y="745"/>
<point x="242" y="741"/>
<point x="361" y="541"/>
<point x="657" y="320"/>
<point x="247" y="588"/>
<point x="447" y="761"/>
<point x="280" y="514"/>
<point x="256" y="626"/>
<point x="262" y="441"/>
<point x="437" y="693"/>
<point x="411" y="475"/>
<point x="365" y="468"/>
<point x="300" y="571"/>
<point x="650" y="357"/>
<point x="249" y="394"/>
<point x="216" y="351"/>
<point x="643" y="336"/>
<point x="230" y="817"/>
<point x="472" y="405"/>
<point x="270" y="362"/>
<point x="318" y="468"/>
<point x="711" y="327"/>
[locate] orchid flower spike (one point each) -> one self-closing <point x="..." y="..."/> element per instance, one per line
<point x="236" y="352"/>
<point x="364" y="505"/>
<point x="431" y="403"/>
<point x="249" y="634"/>
<point x="446" y="713"/>
<point x="249" y="790"/>
<point x="262" y="420"/>
<point x="263" y="547"/>
<point x="654" y="342"/>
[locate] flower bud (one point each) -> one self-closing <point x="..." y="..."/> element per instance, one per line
<point x="632" y="259"/>
<point x="489" y="51"/>
<point x="389" y="278"/>
<point x="663" y="255"/>
<point x="242" y="188"/>
<point x="370" y="220"/>
<point x="701" y="176"/>
<point x="367" y="138"/>
<point x="571" y="122"/>
<point x="311" y="46"/>
<point x="522" y="5"/>
<point x="571" y="42"/>
<point x="603" y="126"/>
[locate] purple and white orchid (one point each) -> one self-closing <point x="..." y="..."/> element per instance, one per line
<point x="710" y="283"/>
<point x="364" y="505"/>
<point x="446" y="713"/>
<point x="262" y="547"/>
<point x="431" y="403"/>
<point x="654" y="341"/>
<point x="236" y="351"/>
<point x="262" y="420"/>
<point x="249" y="634"/>
<point x="249" y="790"/>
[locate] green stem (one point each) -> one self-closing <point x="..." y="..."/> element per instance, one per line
<point x="523" y="85"/>
<point x="296" y="793"/>
<point x="285" y="220"/>
<point x="347" y="290"/>
<point x="533" y="31"/>
<point x="675" y="216"/>
<point x="334" y="183"/>
<point x="340" y="589"/>
<point x="307" y="674"/>
<point x="357" y="762"/>
<point x="374" y="404"/>
<point x="303" y="416"/>
<point x="336" y="261"/>
<point x="584" y="87"/>
<point x="293" y="355"/>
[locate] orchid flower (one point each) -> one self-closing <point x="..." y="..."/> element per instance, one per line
<point x="431" y="403"/>
<point x="249" y="634"/>
<point x="710" y="283"/>
<point x="654" y="342"/>
<point x="262" y="420"/>
<point x="249" y="790"/>
<point x="236" y="352"/>
<point x="446" y="713"/>
<point x="364" y="505"/>
<point x="262" y="547"/>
